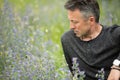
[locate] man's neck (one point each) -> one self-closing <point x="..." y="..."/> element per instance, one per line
<point x="93" y="33"/>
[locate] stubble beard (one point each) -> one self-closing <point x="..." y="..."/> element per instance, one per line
<point x="78" y="34"/>
<point x="81" y="34"/>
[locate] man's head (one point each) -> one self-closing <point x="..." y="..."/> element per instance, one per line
<point x="82" y="15"/>
<point x="86" y="7"/>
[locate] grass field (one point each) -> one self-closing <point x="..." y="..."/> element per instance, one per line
<point x="30" y="32"/>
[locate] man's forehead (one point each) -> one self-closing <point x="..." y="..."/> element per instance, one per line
<point x="74" y="14"/>
<point x="76" y="11"/>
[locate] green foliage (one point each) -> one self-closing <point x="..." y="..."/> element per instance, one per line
<point x="101" y="74"/>
<point x="27" y="49"/>
<point x="30" y="32"/>
<point x="76" y="71"/>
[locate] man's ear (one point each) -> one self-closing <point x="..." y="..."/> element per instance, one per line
<point x="91" y="19"/>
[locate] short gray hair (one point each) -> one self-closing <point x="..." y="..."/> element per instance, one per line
<point x="87" y="7"/>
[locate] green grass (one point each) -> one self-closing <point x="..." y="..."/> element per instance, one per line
<point x="50" y="18"/>
<point x="46" y="16"/>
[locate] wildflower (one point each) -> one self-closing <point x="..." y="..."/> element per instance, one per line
<point x="100" y="74"/>
<point x="78" y="74"/>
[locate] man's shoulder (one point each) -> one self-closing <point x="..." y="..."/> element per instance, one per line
<point x="114" y="32"/>
<point x="113" y="27"/>
<point x="67" y="35"/>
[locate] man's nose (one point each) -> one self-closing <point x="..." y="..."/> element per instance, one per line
<point x="72" y="26"/>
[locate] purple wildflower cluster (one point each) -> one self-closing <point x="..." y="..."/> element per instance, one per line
<point x="26" y="51"/>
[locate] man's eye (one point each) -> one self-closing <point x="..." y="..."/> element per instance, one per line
<point x="75" y="22"/>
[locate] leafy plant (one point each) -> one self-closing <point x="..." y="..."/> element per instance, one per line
<point x="78" y="75"/>
<point x="101" y="74"/>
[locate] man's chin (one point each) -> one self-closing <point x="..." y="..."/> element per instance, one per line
<point x="77" y="35"/>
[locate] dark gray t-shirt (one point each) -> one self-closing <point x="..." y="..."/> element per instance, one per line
<point x="94" y="54"/>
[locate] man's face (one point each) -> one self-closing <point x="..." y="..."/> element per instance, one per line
<point x="78" y="23"/>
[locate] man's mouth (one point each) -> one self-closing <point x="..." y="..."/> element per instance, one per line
<point x="75" y="32"/>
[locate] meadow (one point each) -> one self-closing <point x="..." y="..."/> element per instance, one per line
<point x="30" y="32"/>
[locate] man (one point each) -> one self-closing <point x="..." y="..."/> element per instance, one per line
<point x="95" y="46"/>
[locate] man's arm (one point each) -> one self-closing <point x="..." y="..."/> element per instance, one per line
<point x="115" y="69"/>
<point x="114" y="73"/>
<point x="64" y="43"/>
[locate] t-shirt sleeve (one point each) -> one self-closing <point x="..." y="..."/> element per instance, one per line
<point x="116" y="36"/>
<point x="66" y="52"/>
<point x="118" y="57"/>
